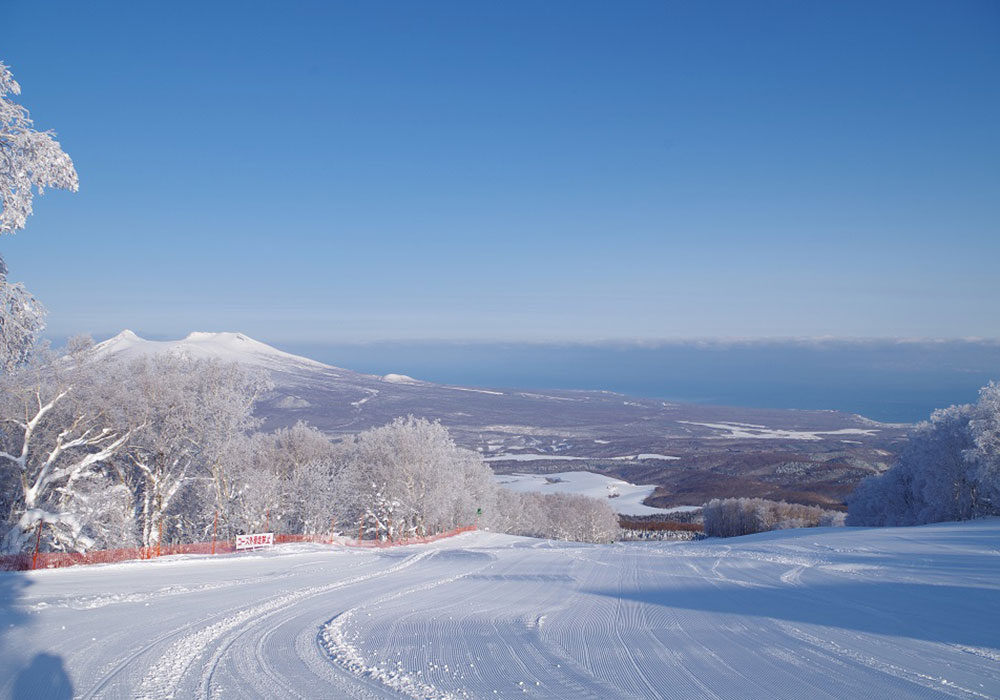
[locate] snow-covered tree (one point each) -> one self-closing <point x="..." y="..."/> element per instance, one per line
<point x="255" y="498"/>
<point x="316" y="498"/>
<point x="22" y="318"/>
<point x="185" y="415"/>
<point x="105" y="509"/>
<point x="949" y="470"/>
<point x="985" y="452"/>
<point x="406" y="478"/>
<point x="30" y="160"/>
<point x="56" y="434"/>
<point x="288" y="472"/>
<point x="944" y="487"/>
<point x="288" y="449"/>
<point x="733" y="517"/>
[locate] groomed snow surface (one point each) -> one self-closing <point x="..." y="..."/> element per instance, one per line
<point x="833" y="613"/>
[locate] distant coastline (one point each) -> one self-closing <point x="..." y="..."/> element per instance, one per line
<point x="882" y="380"/>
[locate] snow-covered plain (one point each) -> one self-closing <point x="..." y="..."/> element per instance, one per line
<point x="628" y="500"/>
<point x="743" y="431"/>
<point x="533" y="457"/>
<point x="834" y="613"/>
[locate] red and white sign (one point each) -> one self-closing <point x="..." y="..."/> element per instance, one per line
<point x="261" y="539"/>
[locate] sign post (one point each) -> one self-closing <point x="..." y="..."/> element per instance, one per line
<point x="259" y="539"/>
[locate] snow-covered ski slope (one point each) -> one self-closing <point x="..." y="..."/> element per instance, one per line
<point x="833" y="613"/>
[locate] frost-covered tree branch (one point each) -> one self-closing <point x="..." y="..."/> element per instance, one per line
<point x="30" y="160"/>
<point x="22" y="318"/>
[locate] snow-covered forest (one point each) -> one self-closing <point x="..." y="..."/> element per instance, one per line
<point x="732" y="517"/>
<point x="99" y="452"/>
<point x="949" y="470"/>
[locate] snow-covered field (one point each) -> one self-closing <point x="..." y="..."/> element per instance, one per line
<point x="834" y="613"/>
<point x="628" y="500"/>
<point x="744" y="431"/>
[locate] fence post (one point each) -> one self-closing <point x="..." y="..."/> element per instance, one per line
<point x="361" y="527"/>
<point x="267" y="520"/>
<point x="159" y="541"/>
<point x="38" y="542"/>
<point x="333" y="526"/>
<point x="215" y="530"/>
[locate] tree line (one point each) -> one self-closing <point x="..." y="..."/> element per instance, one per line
<point x="733" y="517"/>
<point x="100" y="452"/>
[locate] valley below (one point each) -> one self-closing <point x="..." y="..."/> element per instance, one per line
<point x="689" y="452"/>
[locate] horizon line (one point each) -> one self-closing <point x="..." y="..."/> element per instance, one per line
<point x="649" y="342"/>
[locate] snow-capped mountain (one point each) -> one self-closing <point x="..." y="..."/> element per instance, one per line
<point x="230" y="347"/>
<point x="692" y="451"/>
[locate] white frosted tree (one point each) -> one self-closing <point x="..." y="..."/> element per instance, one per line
<point x="409" y="478"/>
<point x="316" y="494"/>
<point x="290" y="468"/>
<point x="288" y="449"/>
<point x="55" y="436"/>
<point x="185" y="415"/>
<point x="30" y="161"/>
<point x="943" y="482"/>
<point x="949" y="470"/>
<point x="985" y="452"/>
<point x="22" y="318"/>
<point x="733" y="517"/>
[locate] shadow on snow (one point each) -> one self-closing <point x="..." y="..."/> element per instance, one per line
<point x="934" y="613"/>
<point x="42" y="678"/>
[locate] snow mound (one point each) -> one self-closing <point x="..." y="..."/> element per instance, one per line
<point x="229" y="347"/>
<point x="399" y="379"/>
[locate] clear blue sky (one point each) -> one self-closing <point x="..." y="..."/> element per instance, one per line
<point x="519" y="170"/>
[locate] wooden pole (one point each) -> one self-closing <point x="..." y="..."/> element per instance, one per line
<point x="159" y="542"/>
<point x="38" y="542"/>
<point x="215" y="530"/>
<point x="267" y="520"/>
<point x="333" y="526"/>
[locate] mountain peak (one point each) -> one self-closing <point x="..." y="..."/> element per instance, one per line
<point x="227" y="346"/>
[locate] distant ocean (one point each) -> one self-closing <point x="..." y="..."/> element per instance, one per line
<point x="883" y="380"/>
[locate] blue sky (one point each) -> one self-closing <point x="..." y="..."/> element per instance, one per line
<point x="311" y="172"/>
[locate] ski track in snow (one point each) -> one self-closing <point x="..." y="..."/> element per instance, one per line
<point x="824" y="613"/>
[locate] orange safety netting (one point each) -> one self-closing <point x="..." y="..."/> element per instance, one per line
<point x="55" y="560"/>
